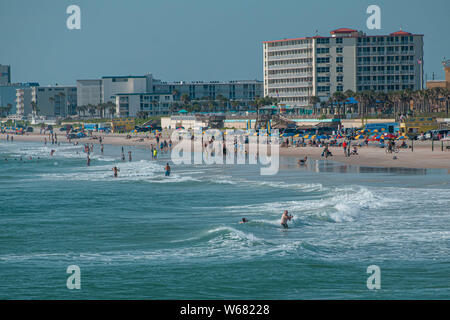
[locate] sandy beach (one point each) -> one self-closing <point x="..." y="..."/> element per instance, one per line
<point x="421" y="158"/>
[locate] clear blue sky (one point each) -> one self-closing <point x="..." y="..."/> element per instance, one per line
<point x="190" y="39"/>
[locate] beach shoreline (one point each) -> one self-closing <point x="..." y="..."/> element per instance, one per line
<point x="371" y="156"/>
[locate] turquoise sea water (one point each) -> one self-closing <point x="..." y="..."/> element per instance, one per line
<point x="145" y="236"/>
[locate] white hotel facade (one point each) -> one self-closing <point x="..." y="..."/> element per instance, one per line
<point x="296" y="69"/>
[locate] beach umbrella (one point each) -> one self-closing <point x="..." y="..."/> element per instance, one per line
<point x="375" y="130"/>
<point x="401" y="138"/>
<point x="323" y="136"/>
<point x="306" y="136"/>
<point x="298" y="135"/>
<point x="359" y="137"/>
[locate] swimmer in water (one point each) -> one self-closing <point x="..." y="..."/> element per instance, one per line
<point x="115" y="169"/>
<point x="244" y="220"/>
<point x="88" y="161"/>
<point x="52" y="152"/>
<point x="285" y="218"/>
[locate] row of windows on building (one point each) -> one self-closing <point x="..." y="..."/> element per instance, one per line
<point x="380" y="39"/>
<point x="386" y="87"/>
<point x="150" y="107"/>
<point x="293" y="99"/>
<point x="300" y="90"/>
<point x="291" y="80"/>
<point x="327" y="50"/>
<point x="388" y="78"/>
<point x="327" y="60"/>
<point x="381" y="60"/>
<point x="294" y="71"/>
<point x="361" y="41"/>
<point x="339" y="69"/>
<point x="388" y="69"/>
<point x="144" y="98"/>
<point x="289" y="43"/>
<point x="290" y="61"/>
<point x="289" y="52"/>
<point x="381" y="50"/>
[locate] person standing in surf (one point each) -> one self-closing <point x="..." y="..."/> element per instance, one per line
<point x="167" y="170"/>
<point x="285" y="218"/>
<point x="116" y="170"/>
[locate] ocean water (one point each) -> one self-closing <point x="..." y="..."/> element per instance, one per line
<point x="146" y="236"/>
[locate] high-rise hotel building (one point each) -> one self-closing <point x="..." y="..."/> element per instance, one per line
<point x="296" y="69"/>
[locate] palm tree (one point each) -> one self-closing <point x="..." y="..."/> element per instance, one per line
<point x="8" y="108"/>
<point x="313" y="101"/>
<point x="91" y="109"/>
<point x="62" y="96"/>
<point x="340" y="98"/>
<point x="185" y="99"/>
<point x="111" y="108"/>
<point x="34" y="108"/>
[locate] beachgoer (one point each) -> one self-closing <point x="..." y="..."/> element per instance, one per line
<point x="52" y="152"/>
<point x="129" y="156"/>
<point x="115" y="169"/>
<point x="155" y="153"/>
<point x="303" y="161"/>
<point x="285" y="218"/>
<point x="244" y="220"/>
<point x="88" y="162"/>
<point x="167" y="170"/>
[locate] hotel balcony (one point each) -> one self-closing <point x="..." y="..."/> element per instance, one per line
<point x="289" y="66"/>
<point x="286" y="47"/>
<point x="290" y="56"/>
<point x="289" y="76"/>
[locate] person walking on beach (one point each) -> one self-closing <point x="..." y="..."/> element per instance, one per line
<point x="7" y="137"/>
<point x="285" y="218"/>
<point x="344" y="145"/>
<point x="167" y="170"/>
<point x="116" y="170"/>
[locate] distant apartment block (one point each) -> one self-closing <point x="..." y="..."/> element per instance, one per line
<point x="145" y="93"/>
<point x="129" y="104"/>
<point x="56" y="101"/>
<point x="8" y="94"/>
<point x="296" y="69"/>
<point x="5" y="74"/>
<point x="89" y="92"/>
